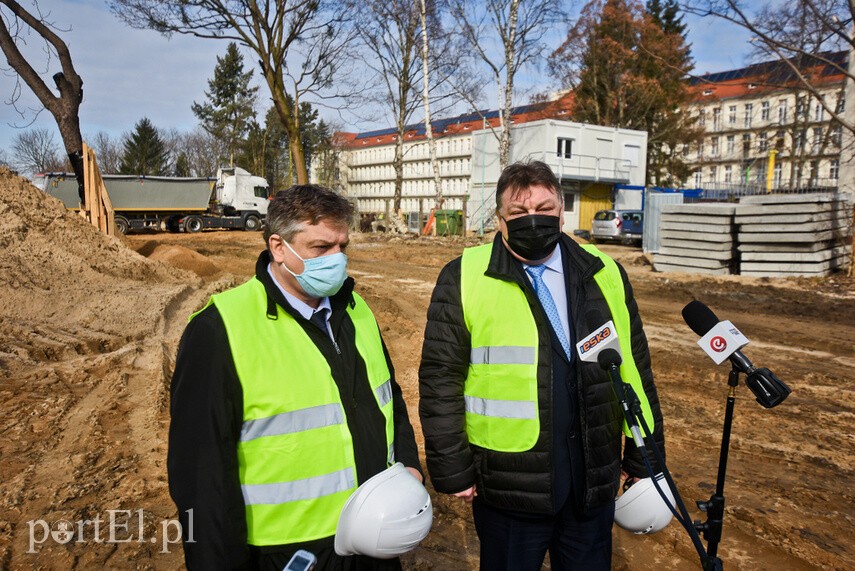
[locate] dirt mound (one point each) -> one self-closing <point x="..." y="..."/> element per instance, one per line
<point x="182" y="258"/>
<point x="86" y="344"/>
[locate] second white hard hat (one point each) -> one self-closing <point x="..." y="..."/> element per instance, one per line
<point x="641" y="509"/>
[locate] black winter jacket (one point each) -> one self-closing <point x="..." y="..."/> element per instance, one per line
<point x="522" y="481"/>
<point x="207" y="414"/>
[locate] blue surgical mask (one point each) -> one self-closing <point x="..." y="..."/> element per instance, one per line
<point x="322" y="276"/>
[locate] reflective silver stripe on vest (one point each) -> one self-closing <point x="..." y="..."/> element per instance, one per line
<point x="502" y="355"/>
<point x="391" y="456"/>
<point x="384" y="393"/>
<point x="501" y="408"/>
<point x="307" y="489"/>
<point x="294" y="421"/>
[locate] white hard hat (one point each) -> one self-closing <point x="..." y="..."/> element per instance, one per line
<point x="641" y="509"/>
<point x="386" y="516"/>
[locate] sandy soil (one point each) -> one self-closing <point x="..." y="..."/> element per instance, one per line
<point x="90" y="327"/>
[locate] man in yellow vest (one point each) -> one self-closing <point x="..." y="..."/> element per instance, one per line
<point x="283" y="401"/>
<point x="514" y="422"/>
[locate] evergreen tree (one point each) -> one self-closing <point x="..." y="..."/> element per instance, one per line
<point x="228" y="113"/>
<point x="145" y="152"/>
<point x="182" y="165"/>
<point x="628" y="70"/>
<point x="667" y="16"/>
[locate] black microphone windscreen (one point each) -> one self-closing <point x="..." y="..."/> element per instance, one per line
<point x="608" y="357"/>
<point x="699" y="317"/>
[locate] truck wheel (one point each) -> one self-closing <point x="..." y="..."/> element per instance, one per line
<point x="193" y="224"/>
<point x="252" y="223"/>
<point x="122" y="224"/>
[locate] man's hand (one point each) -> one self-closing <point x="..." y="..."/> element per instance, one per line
<point x="628" y="480"/>
<point x="468" y="494"/>
<point x="416" y="474"/>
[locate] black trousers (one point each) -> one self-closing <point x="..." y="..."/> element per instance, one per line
<point x="515" y="541"/>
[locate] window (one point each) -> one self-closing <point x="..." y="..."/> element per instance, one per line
<point x="698" y="177"/>
<point x="818" y="112"/>
<point x="713" y="174"/>
<point x="749" y="110"/>
<point x="716" y="118"/>
<point x="764" y="111"/>
<point x="816" y="140"/>
<point x="834" y="169"/>
<point x="836" y="135"/>
<point x="731" y="140"/>
<point x="260" y="191"/>
<point x="565" y="148"/>
<point x="802" y="108"/>
<point x="746" y="145"/>
<point x="777" y="175"/>
<point x="702" y="117"/>
<point x="728" y="173"/>
<point x="813" y="171"/>
<point x="731" y="115"/>
<point x="841" y="104"/>
<point x="762" y="143"/>
<point x="714" y="146"/>
<point x="779" y="140"/>
<point x="569" y="201"/>
<point x="782" y="111"/>
<point x="800" y="139"/>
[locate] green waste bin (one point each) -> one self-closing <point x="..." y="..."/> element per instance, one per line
<point x="449" y="222"/>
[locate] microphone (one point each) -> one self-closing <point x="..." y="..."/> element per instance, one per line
<point x="721" y="340"/>
<point x="609" y="360"/>
<point x="603" y="336"/>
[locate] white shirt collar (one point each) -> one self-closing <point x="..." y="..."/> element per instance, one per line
<point x="301" y="306"/>
<point x="553" y="262"/>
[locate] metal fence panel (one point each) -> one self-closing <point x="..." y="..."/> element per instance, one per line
<point x="654" y="202"/>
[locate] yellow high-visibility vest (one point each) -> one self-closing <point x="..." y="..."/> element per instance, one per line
<point x="500" y="392"/>
<point x="295" y="454"/>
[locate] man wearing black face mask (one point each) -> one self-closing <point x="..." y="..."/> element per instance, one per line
<point x="514" y="422"/>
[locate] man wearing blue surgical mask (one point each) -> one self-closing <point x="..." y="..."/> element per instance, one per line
<point x="514" y="423"/>
<point x="284" y="400"/>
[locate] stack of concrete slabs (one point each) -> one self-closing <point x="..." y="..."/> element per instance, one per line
<point x="784" y="235"/>
<point x="696" y="238"/>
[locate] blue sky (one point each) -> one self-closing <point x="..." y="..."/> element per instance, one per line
<point x="129" y="74"/>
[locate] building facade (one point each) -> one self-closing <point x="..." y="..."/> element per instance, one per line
<point x="765" y="131"/>
<point x="588" y="160"/>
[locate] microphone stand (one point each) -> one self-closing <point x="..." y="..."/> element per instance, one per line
<point x="633" y="413"/>
<point x="714" y="508"/>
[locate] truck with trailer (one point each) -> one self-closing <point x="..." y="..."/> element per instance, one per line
<point x="234" y="199"/>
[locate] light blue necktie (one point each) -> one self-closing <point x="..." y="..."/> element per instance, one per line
<point x="545" y="297"/>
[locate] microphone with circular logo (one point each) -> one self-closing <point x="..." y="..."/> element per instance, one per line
<point x="721" y="340"/>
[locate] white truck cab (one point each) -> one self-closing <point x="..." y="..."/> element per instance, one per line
<point x="243" y="192"/>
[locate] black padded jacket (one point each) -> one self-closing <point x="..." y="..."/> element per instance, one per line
<point x="523" y="481"/>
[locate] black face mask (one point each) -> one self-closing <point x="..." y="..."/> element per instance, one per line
<point x="533" y="236"/>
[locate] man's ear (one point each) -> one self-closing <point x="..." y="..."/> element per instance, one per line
<point x="277" y="248"/>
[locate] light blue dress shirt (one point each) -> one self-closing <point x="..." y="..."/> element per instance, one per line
<point x="553" y="277"/>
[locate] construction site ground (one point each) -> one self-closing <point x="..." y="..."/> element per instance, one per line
<point x="88" y="337"/>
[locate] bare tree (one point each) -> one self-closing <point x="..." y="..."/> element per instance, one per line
<point x="15" y="23"/>
<point x="303" y="43"/>
<point x="426" y="58"/>
<point x="108" y="150"/>
<point x="389" y="29"/>
<point x="519" y="27"/>
<point x="35" y="151"/>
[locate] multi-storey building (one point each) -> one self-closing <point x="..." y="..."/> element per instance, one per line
<point x="765" y="130"/>
<point x="589" y="161"/>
